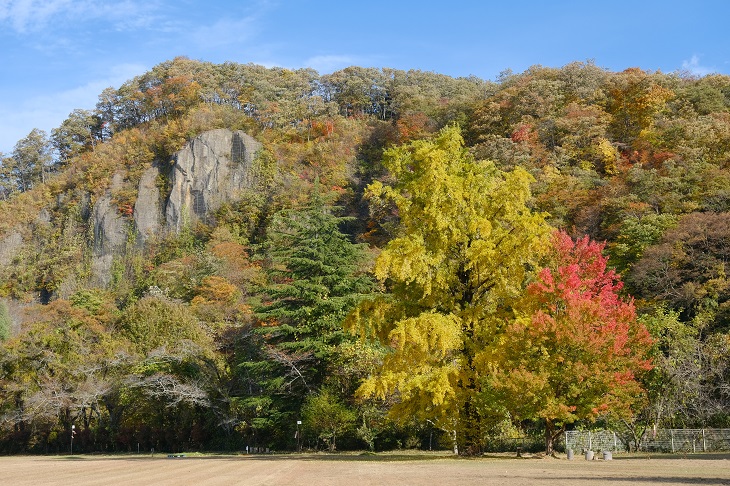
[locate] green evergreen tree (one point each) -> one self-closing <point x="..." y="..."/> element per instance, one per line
<point x="315" y="282"/>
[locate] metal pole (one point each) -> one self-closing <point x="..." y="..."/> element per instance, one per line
<point x="299" y="446"/>
<point x="73" y="432"/>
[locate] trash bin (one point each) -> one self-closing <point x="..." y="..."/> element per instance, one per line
<point x="589" y="455"/>
<point x="607" y="456"/>
<point x="570" y="454"/>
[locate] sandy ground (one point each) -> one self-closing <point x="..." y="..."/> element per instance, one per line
<point x="362" y="470"/>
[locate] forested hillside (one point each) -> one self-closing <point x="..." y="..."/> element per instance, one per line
<point x="391" y="258"/>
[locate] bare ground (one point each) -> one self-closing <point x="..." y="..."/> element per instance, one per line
<point x="352" y="470"/>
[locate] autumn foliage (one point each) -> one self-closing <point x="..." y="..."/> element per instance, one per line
<point x="578" y="351"/>
<point x="479" y="323"/>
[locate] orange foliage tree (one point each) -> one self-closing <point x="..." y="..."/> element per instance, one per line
<point x="578" y="350"/>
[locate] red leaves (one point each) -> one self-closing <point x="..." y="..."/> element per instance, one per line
<point x="522" y="133"/>
<point x="580" y="350"/>
<point x="581" y="294"/>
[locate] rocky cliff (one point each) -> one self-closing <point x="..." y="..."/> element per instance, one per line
<point x="210" y="170"/>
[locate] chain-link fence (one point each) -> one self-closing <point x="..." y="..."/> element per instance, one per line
<point x="659" y="440"/>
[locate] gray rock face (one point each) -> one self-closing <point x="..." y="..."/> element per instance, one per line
<point x="110" y="237"/>
<point x="213" y="168"/>
<point x="147" y="212"/>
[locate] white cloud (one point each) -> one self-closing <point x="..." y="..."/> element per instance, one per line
<point x="34" y="15"/>
<point x="694" y="67"/>
<point x="48" y="111"/>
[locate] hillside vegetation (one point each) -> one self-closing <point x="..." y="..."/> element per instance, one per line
<point x="413" y="260"/>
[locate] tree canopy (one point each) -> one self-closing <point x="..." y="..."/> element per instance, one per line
<point x="577" y="349"/>
<point x="466" y="243"/>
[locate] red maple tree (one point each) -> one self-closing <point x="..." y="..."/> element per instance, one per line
<point x="578" y="349"/>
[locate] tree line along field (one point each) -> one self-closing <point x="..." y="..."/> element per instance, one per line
<point x="417" y="260"/>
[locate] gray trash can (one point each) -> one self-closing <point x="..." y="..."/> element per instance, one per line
<point x="589" y="455"/>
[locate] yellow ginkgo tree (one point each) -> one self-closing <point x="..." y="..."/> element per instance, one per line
<point x="466" y="247"/>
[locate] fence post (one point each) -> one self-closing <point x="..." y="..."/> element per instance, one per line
<point x="615" y="445"/>
<point x="590" y="441"/>
<point x="704" y="443"/>
<point x="671" y="434"/>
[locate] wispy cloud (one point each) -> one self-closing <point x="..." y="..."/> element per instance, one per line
<point x="225" y="32"/>
<point x="694" y="67"/>
<point x="25" y="16"/>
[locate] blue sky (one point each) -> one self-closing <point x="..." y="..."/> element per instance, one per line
<point x="58" y="55"/>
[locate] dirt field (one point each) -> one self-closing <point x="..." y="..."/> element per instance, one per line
<point x="351" y="470"/>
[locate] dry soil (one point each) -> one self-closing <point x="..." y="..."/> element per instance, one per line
<point x="352" y="470"/>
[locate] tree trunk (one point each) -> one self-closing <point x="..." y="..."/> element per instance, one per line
<point x="548" y="437"/>
<point x="470" y="425"/>
<point x="470" y="420"/>
<point x="551" y="434"/>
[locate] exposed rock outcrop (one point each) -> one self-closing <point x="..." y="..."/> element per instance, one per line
<point x="210" y="170"/>
<point x="110" y="237"/>
<point x="147" y="211"/>
<point x="213" y="168"/>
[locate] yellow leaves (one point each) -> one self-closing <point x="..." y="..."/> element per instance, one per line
<point x="403" y="259"/>
<point x="420" y="388"/>
<point x="423" y="370"/>
<point x="435" y="335"/>
<point x="214" y="289"/>
<point x="608" y="155"/>
<point x="370" y="319"/>
<point x="459" y="262"/>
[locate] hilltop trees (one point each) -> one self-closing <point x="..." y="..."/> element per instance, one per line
<point x="29" y="163"/>
<point x="78" y="133"/>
